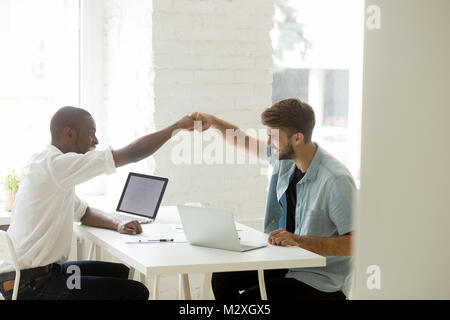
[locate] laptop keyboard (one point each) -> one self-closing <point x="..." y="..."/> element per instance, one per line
<point x="124" y="217"/>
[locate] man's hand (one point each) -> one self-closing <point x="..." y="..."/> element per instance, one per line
<point x="186" y="123"/>
<point x="206" y="119"/>
<point x="281" y="237"/>
<point x="129" y="227"/>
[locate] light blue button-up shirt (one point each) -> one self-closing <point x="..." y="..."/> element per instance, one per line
<point x="325" y="204"/>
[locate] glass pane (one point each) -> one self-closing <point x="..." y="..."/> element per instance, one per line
<point x="317" y="48"/>
<point x="39" y="73"/>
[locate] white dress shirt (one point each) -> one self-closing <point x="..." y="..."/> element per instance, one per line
<point x="46" y="204"/>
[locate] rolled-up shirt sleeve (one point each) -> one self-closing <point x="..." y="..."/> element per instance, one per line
<point x="80" y="207"/>
<point x="71" y="169"/>
<point x="341" y="203"/>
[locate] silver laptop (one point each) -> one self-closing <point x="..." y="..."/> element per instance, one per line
<point x="141" y="198"/>
<point x="213" y="228"/>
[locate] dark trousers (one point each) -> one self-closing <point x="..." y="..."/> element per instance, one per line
<point x="97" y="281"/>
<point x="243" y="286"/>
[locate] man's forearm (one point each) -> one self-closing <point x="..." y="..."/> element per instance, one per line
<point x="223" y="126"/>
<point x="143" y="147"/>
<point x="237" y="137"/>
<point x="147" y="145"/>
<point x="96" y="218"/>
<point x="337" y="246"/>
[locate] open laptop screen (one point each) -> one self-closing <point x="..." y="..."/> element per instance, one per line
<point x="142" y="195"/>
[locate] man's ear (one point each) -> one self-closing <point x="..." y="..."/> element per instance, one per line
<point x="298" y="138"/>
<point x="69" y="133"/>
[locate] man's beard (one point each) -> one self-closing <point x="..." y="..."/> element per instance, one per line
<point x="286" y="154"/>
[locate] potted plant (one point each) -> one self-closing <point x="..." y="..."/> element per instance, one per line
<point x="11" y="185"/>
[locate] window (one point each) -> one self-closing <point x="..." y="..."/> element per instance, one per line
<point x="318" y="58"/>
<point x="88" y="53"/>
<point x="39" y="63"/>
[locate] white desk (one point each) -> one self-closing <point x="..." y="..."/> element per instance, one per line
<point x="154" y="259"/>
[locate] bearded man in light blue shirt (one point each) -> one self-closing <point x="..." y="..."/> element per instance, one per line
<point x="310" y="204"/>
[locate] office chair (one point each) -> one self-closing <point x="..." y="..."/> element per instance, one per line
<point x="8" y="254"/>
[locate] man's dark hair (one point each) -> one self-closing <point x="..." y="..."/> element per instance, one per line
<point x="66" y="117"/>
<point x="291" y="115"/>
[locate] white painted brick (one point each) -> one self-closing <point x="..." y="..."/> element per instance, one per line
<point x="262" y="62"/>
<point x="202" y="62"/>
<point x="229" y="90"/>
<point x="198" y="90"/>
<point x="253" y="76"/>
<point x="183" y="61"/>
<point x="162" y="5"/>
<point x="238" y="21"/>
<point x="212" y="104"/>
<point x="194" y="6"/>
<point x="252" y="49"/>
<point x="265" y="9"/>
<point x="163" y="32"/>
<point x="174" y="19"/>
<point x="214" y="76"/>
<point x="207" y="48"/>
<point x="174" y="103"/>
<point x="164" y="46"/>
<point x="212" y="47"/>
<point x="232" y="7"/>
<point x="263" y="90"/>
<point x="258" y="103"/>
<point x="174" y="76"/>
<point x="235" y="62"/>
<point x="224" y="172"/>
<point x="196" y="33"/>
<point x="238" y="115"/>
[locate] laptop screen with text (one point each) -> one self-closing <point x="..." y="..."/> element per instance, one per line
<point x="142" y="195"/>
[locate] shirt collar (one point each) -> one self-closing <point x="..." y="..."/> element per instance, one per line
<point x="311" y="173"/>
<point x="51" y="147"/>
<point x="288" y="169"/>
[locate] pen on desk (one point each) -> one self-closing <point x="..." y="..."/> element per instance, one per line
<point x="157" y="240"/>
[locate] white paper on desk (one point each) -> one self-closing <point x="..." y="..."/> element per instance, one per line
<point x="154" y="237"/>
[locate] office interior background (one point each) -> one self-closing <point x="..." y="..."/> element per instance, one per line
<point x="380" y="96"/>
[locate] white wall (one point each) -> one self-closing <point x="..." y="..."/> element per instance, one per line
<point x="403" y="221"/>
